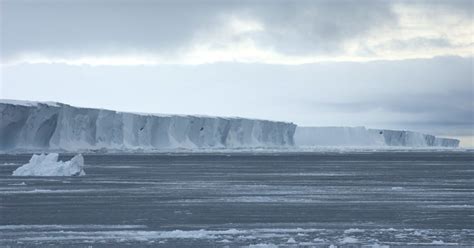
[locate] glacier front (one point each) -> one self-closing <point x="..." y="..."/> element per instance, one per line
<point x="47" y="126"/>
<point x="361" y="136"/>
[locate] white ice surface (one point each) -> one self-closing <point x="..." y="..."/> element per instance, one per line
<point x="27" y="103"/>
<point x="48" y="165"/>
<point x="258" y="237"/>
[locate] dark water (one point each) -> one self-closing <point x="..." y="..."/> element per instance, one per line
<point x="262" y="200"/>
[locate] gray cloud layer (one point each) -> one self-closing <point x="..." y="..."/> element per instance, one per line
<point x="318" y="26"/>
<point x="77" y="28"/>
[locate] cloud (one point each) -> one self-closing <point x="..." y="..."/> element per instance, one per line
<point x="126" y="32"/>
<point x="297" y="28"/>
<point x="71" y="28"/>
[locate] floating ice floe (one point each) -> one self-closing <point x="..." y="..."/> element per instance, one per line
<point x="48" y="165"/>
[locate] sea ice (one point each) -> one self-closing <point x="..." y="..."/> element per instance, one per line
<point x="48" y="165"/>
<point x="291" y="241"/>
<point x="349" y="240"/>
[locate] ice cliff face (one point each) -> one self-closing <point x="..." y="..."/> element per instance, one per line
<point x="337" y="136"/>
<point x="361" y="136"/>
<point x="56" y="126"/>
<point x="414" y="139"/>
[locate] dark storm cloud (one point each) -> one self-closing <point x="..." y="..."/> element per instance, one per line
<point x="70" y="28"/>
<point x="320" y="26"/>
<point x="462" y="7"/>
<point x="95" y="27"/>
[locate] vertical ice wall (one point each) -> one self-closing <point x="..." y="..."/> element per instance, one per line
<point x="361" y="136"/>
<point x="35" y="125"/>
<point x="414" y="139"/>
<point x="337" y="136"/>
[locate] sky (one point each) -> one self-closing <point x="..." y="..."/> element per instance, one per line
<point x="379" y="64"/>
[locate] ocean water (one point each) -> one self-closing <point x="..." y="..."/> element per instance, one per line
<point x="351" y="199"/>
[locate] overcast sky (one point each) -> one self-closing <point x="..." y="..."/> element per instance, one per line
<point x="384" y="64"/>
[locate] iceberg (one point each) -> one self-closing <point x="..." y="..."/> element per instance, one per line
<point x="361" y="136"/>
<point x="48" y="165"/>
<point x="51" y="126"/>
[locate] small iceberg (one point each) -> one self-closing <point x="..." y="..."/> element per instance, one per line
<point x="48" y="165"/>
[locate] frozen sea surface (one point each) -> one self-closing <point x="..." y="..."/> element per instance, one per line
<point x="362" y="199"/>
